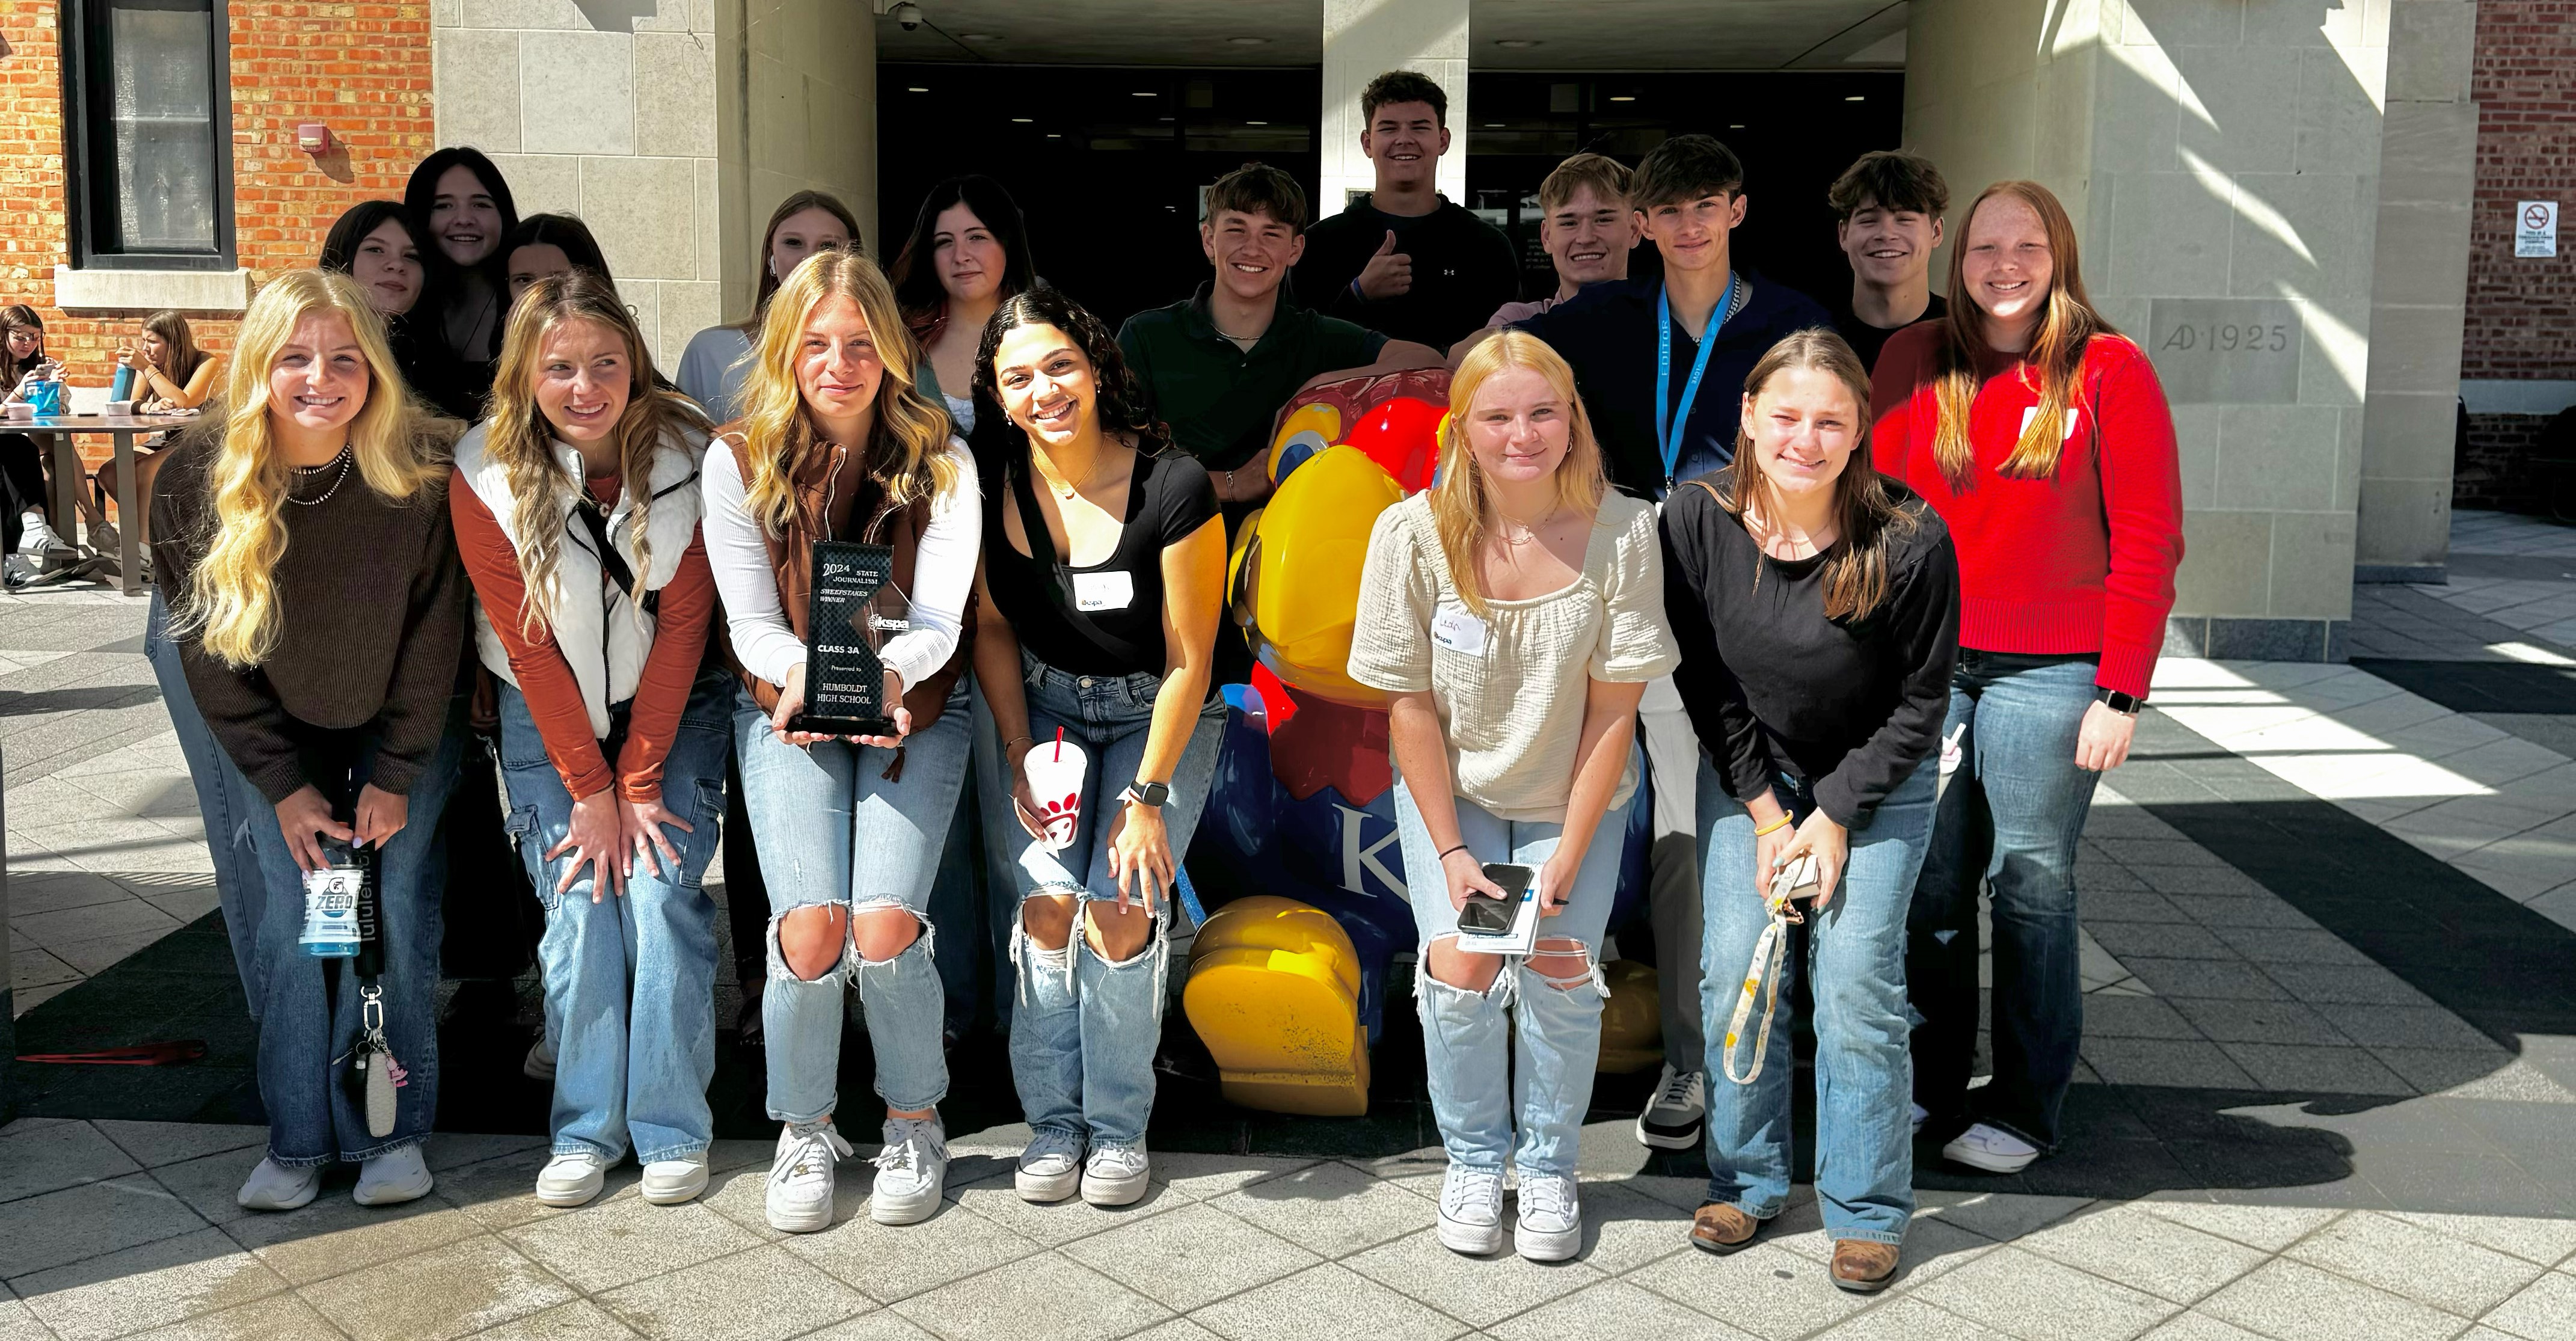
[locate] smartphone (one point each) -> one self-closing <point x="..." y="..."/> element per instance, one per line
<point x="1490" y="916"/>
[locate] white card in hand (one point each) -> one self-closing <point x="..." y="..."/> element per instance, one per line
<point x="1520" y="940"/>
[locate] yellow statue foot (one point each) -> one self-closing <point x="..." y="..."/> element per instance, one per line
<point x="1274" y="993"/>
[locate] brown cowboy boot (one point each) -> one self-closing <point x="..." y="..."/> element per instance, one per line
<point x="1720" y="1228"/>
<point x="1862" y="1266"/>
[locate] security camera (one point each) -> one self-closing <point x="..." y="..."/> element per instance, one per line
<point x="908" y="15"/>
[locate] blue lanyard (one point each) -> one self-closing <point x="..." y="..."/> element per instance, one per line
<point x="1668" y="434"/>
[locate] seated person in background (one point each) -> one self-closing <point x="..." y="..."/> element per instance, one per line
<point x="170" y="375"/>
<point x="1217" y="365"/>
<point x="547" y="245"/>
<point x="1888" y="205"/>
<point x="1401" y="259"/>
<point x="22" y="365"/>
<point x="1585" y="227"/>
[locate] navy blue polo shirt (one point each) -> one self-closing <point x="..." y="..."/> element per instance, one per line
<point x="1608" y="332"/>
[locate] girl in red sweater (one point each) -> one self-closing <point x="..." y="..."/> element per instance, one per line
<point x="2041" y="436"/>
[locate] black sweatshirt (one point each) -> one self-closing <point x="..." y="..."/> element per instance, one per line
<point x="1463" y="268"/>
<point x="1775" y="687"/>
<point x="375" y="613"/>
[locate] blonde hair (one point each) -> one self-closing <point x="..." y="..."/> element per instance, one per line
<point x="1461" y="503"/>
<point x="518" y="437"/>
<point x="231" y="606"/>
<point x="2066" y="326"/>
<point x="1867" y="518"/>
<point x="907" y="448"/>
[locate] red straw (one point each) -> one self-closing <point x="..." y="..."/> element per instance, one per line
<point x="1059" y="745"/>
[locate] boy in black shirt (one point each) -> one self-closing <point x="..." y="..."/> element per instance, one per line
<point x="1888" y="206"/>
<point x="1401" y="259"/>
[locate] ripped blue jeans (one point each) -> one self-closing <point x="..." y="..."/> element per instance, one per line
<point x="841" y="824"/>
<point x="1489" y="1074"/>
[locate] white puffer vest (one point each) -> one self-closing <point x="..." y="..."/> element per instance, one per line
<point x="603" y="633"/>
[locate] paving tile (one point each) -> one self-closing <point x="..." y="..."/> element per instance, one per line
<point x="17" y="1324"/>
<point x="2197" y="880"/>
<point x="2544" y="1310"/>
<point x="998" y="1200"/>
<point x="2410" y="1027"/>
<point x="2198" y="1327"/>
<point x="1330" y="1208"/>
<point x="742" y="1196"/>
<point x="882" y="1325"/>
<point x="888" y="1263"/>
<point x="1478" y="1291"/>
<point x="619" y="1239"/>
<point x="153" y="1144"/>
<point x="2402" y="1259"/>
<point x="2000" y="1216"/>
<point x="455" y="1150"/>
<point x="2041" y="1300"/>
<point x="2291" y="945"/>
<point x="502" y="1193"/>
<point x="1189" y="1257"/>
<point x="2543" y="1241"/>
<point x="2191" y="1063"/>
<point x="2139" y="1249"/>
<point x="2336" y="984"/>
<point x="1624" y="1229"/>
<point x="154" y="1285"/>
<point x="2224" y="980"/>
<point x="760" y="1295"/>
<point x="79" y="1223"/>
<point x="282" y="1317"/>
<point x="2218" y="911"/>
<point x="335" y="1235"/>
<point x="1077" y="1303"/>
<point x="2135" y="1017"/>
<point x="97" y="956"/>
<point x="1765" y="1290"/>
<point x="2313" y="1070"/>
<point x="53" y="891"/>
<point x="1612" y="1311"/>
<point x="2448" y="1070"/>
<point x="446" y="1292"/>
<point x="36" y="1160"/>
<point x="1906" y="1318"/>
<point x="580" y="1320"/>
<point x="1329" y="1300"/>
<point x="2095" y="905"/>
<point x="1206" y="1177"/>
<point x="1175" y="1329"/>
<point x="208" y="1183"/>
<point x="2291" y="1301"/>
<point x="2162" y="940"/>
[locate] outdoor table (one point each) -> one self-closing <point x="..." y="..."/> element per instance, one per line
<point x="68" y="475"/>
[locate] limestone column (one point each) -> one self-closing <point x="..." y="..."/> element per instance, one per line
<point x="1362" y="40"/>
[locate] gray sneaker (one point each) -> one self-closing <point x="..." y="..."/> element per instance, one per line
<point x="910" y="1171"/>
<point x="1050" y="1168"/>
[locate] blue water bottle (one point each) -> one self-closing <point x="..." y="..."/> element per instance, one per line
<point x="331" y="897"/>
<point x="123" y="387"/>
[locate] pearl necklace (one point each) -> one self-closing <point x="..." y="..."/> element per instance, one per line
<point x="345" y="457"/>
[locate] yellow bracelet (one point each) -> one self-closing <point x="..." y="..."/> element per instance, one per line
<point x="1774" y="826"/>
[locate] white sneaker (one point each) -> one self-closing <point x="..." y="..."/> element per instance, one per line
<point x="571" y="1179"/>
<point x="669" y="1182"/>
<point x="392" y="1179"/>
<point x="1990" y="1149"/>
<point x="540" y="1061"/>
<point x="1550" y="1227"/>
<point x="800" y="1179"/>
<point x="1050" y="1167"/>
<point x="274" y="1187"/>
<point x="37" y="536"/>
<point x="102" y="537"/>
<point x="1672" y="1118"/>
<point x="910" y="1171"/>
<point x="1471" y="1210"/>
<point x="1115" y="1175"/>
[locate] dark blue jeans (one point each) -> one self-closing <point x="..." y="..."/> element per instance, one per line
<point x="2012" y="807"/>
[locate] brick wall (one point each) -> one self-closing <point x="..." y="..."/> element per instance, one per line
<point x="2522" y="313"/>
<point x="2496" y="468"/>
<point x="363" y="69"/>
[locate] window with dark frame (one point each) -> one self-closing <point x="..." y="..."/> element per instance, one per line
<point x="149" y="111"/>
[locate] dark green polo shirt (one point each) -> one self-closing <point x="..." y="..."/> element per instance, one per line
<point x="1219" y="400"/>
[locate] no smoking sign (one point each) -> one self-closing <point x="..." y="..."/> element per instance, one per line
<point x="2535" y="228"/>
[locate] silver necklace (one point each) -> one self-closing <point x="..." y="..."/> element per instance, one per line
<point x="345" y="457"/>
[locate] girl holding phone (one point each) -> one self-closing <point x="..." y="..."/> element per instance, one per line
<point x="1514" y="612"/>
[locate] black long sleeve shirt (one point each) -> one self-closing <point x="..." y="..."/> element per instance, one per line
<point x="1849" y="707"/>
<point x="1463" y="268"/>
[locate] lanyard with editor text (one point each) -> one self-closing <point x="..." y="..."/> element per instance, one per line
<point x="1668" y="426"/>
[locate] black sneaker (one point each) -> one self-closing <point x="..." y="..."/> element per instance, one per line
<point x="1673" y="1117"/>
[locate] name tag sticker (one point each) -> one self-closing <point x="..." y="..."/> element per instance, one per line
<point x="2074" y="419"/>
<point x="1103" y="591"/>
<point x="1454" y="628"/>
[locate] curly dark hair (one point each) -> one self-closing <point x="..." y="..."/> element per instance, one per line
<point x="1122" y="405"/>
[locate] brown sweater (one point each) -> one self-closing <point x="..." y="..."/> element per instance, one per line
<point x="374" y="626"/>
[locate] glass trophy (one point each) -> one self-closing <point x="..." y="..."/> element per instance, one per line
<point x="855" y="606"/>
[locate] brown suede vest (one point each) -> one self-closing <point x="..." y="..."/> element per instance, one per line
<point x="791" y="558"/>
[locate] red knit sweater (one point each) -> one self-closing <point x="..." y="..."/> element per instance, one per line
<point x="2082" y="561"/>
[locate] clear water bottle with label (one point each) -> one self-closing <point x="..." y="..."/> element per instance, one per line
<point x="331" y="902"/>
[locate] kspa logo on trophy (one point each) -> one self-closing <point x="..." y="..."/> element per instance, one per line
<point x="846" y="624"/>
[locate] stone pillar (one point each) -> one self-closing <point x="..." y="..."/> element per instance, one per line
<point x="797" y="111"/>
<point x="1364" y="39"/>
<point x="2428" y="148"/>
<point x="2221" y="159"/>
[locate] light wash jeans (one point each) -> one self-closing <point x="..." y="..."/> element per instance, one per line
<point x="309" y="1016"/>
<point x="834" y="828"/>
<point x="1483" y="1069"/>
<point x="2011" y="813"/>
<point x="1856" y="969"/>
<point x="630" y="982"/>
<point x="1084" y="1030"/>
<point x="229" y="804"/>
